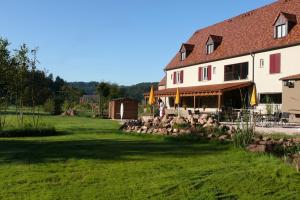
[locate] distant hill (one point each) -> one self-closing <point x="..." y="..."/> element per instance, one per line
<point x="133" y="91"/>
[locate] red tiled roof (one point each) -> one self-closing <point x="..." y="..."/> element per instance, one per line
<point x="163" y="81"/>
<point x="205" y="90"/>
<point x="293" y="77"/>
<point x="241" y="35"/>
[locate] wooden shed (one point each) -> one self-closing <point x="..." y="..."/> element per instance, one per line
<point x="130" y="108"/>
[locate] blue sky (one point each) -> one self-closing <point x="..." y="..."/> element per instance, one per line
<point x="122" y="41"/>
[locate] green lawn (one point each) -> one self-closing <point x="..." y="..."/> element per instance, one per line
<point x="93" y="161"/>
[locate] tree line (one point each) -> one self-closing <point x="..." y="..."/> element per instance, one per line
<point x="23" y="85"/>
<point x="133" y="91"/>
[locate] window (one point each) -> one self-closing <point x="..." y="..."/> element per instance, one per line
<point x="281" y="31"/>
<point x="275" y="63"/>
<point x="209" y="48"/>
<point x="204" y="73"/>
<point x="183" y="55"/>
<point x="236" y="72"/>
<point x="275" y="98"/>
<point x="261" y="63"/>
<point x="178" y="77"/>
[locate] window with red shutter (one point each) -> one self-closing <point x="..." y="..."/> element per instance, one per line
<point x="209" y="72"/>
<point x="275" y="63"/>
<point x="200" y="74"/>
<point x="181" y="76"/>
<point x="174" y="78"/>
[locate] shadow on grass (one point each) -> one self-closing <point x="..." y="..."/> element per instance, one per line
<point x="101" y="149"/>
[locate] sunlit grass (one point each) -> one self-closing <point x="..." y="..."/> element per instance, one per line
<point x="93" y="160"/>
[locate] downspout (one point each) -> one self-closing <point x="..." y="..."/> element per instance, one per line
<point x="253" y="65"/>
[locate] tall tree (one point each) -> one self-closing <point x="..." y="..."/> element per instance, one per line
<point x="22" y="63"/>
<point x="103" y="90"/>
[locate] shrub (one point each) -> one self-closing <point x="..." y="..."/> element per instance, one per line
<point x="242" y="138"/>
<point x="49" y="106"/>
<point x="29" y="132"/>
<point x="181" y="126"/>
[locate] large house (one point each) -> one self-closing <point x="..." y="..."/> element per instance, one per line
<point x="218" y="66"/>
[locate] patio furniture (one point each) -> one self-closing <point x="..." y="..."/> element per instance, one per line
<point x="285" y="118"/>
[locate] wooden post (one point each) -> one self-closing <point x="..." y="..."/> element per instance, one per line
<point x="219" y="102"/>
<point x="219" y="105"/>
<point x="194" y="102"/>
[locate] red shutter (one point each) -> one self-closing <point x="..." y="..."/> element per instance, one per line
<point x="278" y="63"/>
<point x="275" y="63"/>
<point x="200" y="74"/>
<point x="209" y="72"/>
<point x="174" y="78"/>
<point x="181" y="76"/>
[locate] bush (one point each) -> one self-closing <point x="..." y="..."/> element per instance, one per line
<point x="242" y="138"/>
<point x="181" y="126"/>
<point x="53" y="106"/>
<point x="29" y="132"/>
<point x="49" y="106"/>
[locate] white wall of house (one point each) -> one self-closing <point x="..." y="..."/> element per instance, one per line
<point x="191" y="73"/>
<point x="265" y="82"/>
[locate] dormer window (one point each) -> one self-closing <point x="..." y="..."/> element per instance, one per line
<point x="185" y="51"/>
<point x="281" y="31"/>
<point x="284" y="24"/>
<point x="183" y="55"/>
<point x="209" y="48"/>
<point x="212" y="43"/>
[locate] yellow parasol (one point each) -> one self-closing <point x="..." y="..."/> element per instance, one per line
<point x="177" y="99"/>
<point x="253" y="100"/>
<point x="151" y="97"/>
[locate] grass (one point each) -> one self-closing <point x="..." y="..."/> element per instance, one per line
<point x="95" y="161"/>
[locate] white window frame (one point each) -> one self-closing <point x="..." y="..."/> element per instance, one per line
<point x="261" y="63"/>
<point x="281" y="30"/>
<point x="177" y="76"/>
<point x="204" y="73"/>
<point x="183" y="55"/>
<point x="209" y="48"/>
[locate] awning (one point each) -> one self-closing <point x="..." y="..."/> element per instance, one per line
<point x="292" y="77"/>
<point x="206" y="90"/>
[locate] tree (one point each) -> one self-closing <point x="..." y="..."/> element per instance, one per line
<point x="103" y="90"/>
<point x="4" y="80"/>
<point x="22" y="63"/>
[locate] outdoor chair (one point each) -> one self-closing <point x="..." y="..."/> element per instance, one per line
<point x="285" y="118"/>
<point x="197" y="112"/>
<point x="190" y="112"/>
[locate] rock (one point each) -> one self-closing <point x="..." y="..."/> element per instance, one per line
<point x="223" y="137"/>
<point x="266" y="138"/>
<point x="156" y="121"/>
<point x="175" y="130"/>
<point x="165" y="119"/>
<point x="296" y="140"/>
<point x="210" y="136"/>
<point x="256" y="148"/>
<point x="210" y="121"/>
<point x="262" y="142"/>
<point x="170" y="130"/>
<point x="147" y="124"/>
<point x="180" y="121"/>
<point x="150" y="130"/>
<point x="144" y="128"/>
<point x="204" y="117"/>
<point x="201" y="121"/>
